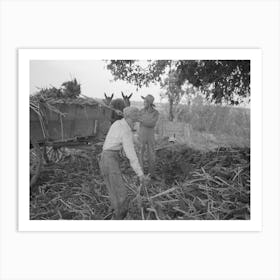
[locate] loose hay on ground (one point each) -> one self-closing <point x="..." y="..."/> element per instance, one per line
<point x="191" y="185"/>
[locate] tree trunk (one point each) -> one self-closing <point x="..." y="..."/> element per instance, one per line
<point x="171" y="116"/>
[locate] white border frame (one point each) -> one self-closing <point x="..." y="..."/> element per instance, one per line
<point x="24" y="57"/>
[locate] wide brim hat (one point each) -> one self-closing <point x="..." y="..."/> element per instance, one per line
<point x="149" y="98"/>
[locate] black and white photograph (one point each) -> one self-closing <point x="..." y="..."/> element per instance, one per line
<point x="152" y="139"/>
<point x="139" y="139"/>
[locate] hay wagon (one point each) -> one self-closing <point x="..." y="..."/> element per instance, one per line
<point x="58" y="124"/>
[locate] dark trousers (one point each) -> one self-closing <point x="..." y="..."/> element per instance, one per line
<point x="147" y="140"/>
<point x="110" y="170"/>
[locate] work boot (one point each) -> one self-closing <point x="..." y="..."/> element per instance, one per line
<point x="121" y="212"/>
<point x="155" y="177"/>
<point x="151" y="171"/>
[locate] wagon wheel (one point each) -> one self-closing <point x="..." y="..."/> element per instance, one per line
<point x="35" y="162"/>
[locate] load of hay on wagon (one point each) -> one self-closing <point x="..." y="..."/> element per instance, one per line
<point x="58" y="124"/>
<point x="61" y="119"/>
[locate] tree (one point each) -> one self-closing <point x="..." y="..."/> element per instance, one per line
<point x="134" y="73"/>
<point x="221" y="81"/>
<point x="172" y="90"/>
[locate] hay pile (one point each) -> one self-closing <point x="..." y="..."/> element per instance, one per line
<point x="191" y="185"/>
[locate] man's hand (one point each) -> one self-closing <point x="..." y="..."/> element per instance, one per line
<point x="140" y="117"/>
<point x="144" y="179"/>
<point x="136" y="140"/>
<point x="119" y="112"/>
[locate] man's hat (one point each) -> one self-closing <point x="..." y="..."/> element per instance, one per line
<point x="149" y="98"/>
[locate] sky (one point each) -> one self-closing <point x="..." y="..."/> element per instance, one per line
<point x="93" y="76"/>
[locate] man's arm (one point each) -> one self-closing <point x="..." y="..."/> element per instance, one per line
<point x="149" y="120"/>
<point x="128" y="146"/>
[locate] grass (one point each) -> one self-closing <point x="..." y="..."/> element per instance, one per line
<point x="207" y="126"/>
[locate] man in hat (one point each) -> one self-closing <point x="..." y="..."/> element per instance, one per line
<point x="120" y="136"/>
<point x="148" y="119"/>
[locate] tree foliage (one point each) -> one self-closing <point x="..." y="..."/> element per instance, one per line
<point x="132" y="72"/>
<point x="172" y="91"/>
<point x="220" y="80"/>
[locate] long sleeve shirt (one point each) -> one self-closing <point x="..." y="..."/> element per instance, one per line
<point x="120" y="136"/>
<point x="148" y="117"/>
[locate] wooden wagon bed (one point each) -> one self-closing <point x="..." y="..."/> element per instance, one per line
<point x="62" y="123"/>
